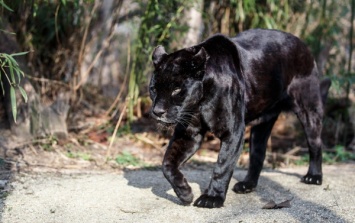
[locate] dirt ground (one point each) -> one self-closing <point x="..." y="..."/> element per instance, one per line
<point x="90" y="150"/>
<point x="81" y="180"/>
<point x="145" y="196"/>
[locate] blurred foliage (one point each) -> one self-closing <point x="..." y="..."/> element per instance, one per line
<point x="340" y="154"/>
<point x="326" y="34"/>
<point x="11" y="71"/>
<point x="52" y="32"/>
<point x="13" y="75"/>
<point x="126" y="159"/>
<point x="57" y="32"/>
<point x="323" y="24"/>
<point x="3" y="5"/>
<point x="232" y="16"/>
<point x="78" y="155"/>
<point x="161" y="24"/>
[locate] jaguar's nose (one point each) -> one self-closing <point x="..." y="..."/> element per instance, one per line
<point x="159" y="111"/>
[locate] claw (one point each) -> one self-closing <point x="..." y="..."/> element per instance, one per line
<point x="312" y="179"/>
<point x="244" y="187"/>
<point x="206" y="201"/>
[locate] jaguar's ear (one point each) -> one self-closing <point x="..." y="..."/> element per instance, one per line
<point x="199" y="59"/>
<point x="158" y="54"/>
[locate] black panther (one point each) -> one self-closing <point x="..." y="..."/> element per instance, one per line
<point x="223" y="84"/>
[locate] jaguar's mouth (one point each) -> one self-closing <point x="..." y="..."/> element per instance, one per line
<point x="165" y="122"/>
<point x="164" y="126"/>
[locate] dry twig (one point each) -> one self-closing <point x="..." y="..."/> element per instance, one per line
<point x="108" y="152"/>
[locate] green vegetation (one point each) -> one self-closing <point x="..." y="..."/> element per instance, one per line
<point x="330" y="157"/>
<point x="48" y="143"/>
<point x="2" y="4"/>
<point x="340" y="155"/>
<point x="7" y="62"/>
<point x="161" y="24"/>
<point x="8" y="68"/>
<point x="56" y="26"/>
<point x="79" y="155"/>
<point x="127" y="159"/>
<point x="57" y="37"/>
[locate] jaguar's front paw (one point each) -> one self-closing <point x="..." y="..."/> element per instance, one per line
<point x="244" y="187"/>
<point x="312" y="179"/>
<point x="206" y="201"/>
<point x="185" y="194"/>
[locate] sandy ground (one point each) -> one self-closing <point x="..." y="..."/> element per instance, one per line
<point x="145" y="196"/>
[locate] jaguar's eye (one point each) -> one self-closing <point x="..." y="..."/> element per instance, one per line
<point x="176" y="91"/>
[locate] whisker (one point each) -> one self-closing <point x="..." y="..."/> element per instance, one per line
<point x="187" y="118"/>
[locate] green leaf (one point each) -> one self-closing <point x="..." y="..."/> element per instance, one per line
<point x="2" y="62"/>
<point x="2" y="86"/>
<point x="5" y="6"/>
<point x="13" y="102"/>
<point x="23" y="93"/>
<point x="5" y="31"/>
<point x="12" y="76"/>
<point x="19" y="54"/>
<point x="12" y="60"/>
<point x="19" y="73"/>
<point x="14" y="67"/>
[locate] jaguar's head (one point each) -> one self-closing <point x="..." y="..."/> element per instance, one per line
<point x="176" y="85"/>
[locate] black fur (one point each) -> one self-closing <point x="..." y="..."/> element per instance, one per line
<point x="225" y="83"/>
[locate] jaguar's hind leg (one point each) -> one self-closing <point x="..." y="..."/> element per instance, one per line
<point x="259" y="136"/>
<point x="308" y="107"/>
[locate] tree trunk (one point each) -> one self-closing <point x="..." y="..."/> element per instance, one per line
<point x="195" y="23"/>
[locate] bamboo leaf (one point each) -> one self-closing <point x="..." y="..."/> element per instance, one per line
<point x="5" y="31"/>
<point x="12" y="75"/>
<point x="23" y="93"/>
<point x="19" y="73"/>
<point x="5" y="60"/>
<point x="13" y="102"/>
<point x="13" y="61"/>
<point x="5" y="6"/>
<point x="12" y="64"/>
<point x="19" y="54"/>
<point x="2" y="86"/>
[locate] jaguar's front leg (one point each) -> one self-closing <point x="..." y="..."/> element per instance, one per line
<point x="231" y="146"/>
<point x="184" y="143"/>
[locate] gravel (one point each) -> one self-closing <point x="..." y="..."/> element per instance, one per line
<point x="145" y="196"/>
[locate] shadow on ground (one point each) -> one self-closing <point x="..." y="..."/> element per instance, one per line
<point x="5" y="176"/>
<point x="305" y="205"/>
<point x="159" y="185"/>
